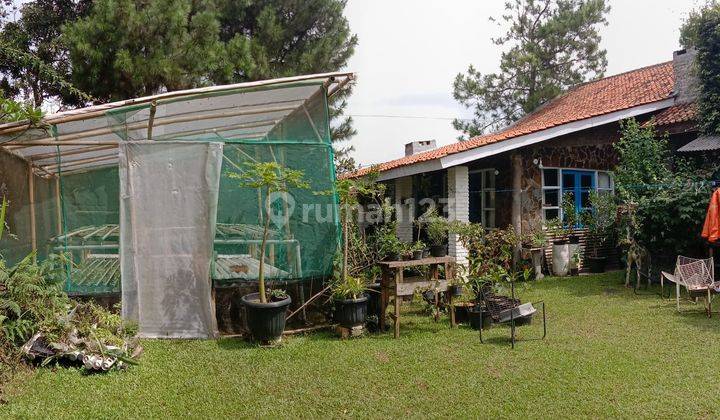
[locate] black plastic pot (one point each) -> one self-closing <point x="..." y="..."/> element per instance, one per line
<point x="560" y="241"/>
<point x="438" y="250"/>
<point x="426" y="253"/>
<point x="391" y="257"/>
<point x="351" y="312"/>
<point x="266" y="321"/>
<point x="373" y="305"/>
<point x="461" y="312"/>
<point x="573" y="239"/>
<point x="429" y="296"/>
<point x="596" y="264"/>
<point x="417" y="255"/>
<point x="474" y="314"/>
<point x="456" y="289"/>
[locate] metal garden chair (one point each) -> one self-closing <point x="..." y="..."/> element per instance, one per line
<point x="508" y="310"/>
<point x="697" y="276"/>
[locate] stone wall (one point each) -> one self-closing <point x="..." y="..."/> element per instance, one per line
<point x="588" y="149"/>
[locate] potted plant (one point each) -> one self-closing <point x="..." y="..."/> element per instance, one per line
<point x="350" y="301"/>
<point x="389" y="245"/>
<point x="456" y="286"/>
<point x="600" y="223"/>
<point x="537" y="240"/>
<point x="560" y="248"/>
<point x="437" y="233"/>
<point x="265" y="310"/>
<point x="571" y="221"/>
<point x="575" y="263"/>
<point x="418" y="249"/>
<point x="479" y="317"/>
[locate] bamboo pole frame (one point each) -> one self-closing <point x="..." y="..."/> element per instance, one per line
<point x="158" y="122"/>
<point x="71" y="163"/>
<point x="81" y="162"/>
<point x="100" y="110"/>
<point x="151" y="119"/>
<point x="31" y="196"/>
<point x="58" y="205"/>
<point x="78" y="151"/>
<point x="90" y="168"/>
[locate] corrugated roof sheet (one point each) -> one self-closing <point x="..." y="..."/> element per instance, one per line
<point x="702" y="144"/>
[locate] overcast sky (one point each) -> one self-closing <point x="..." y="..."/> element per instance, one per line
<point x="410" y="51"/>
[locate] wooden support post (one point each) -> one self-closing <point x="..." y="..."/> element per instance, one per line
<point x="151" y="119"/>
<point x="31" y="196"/>
<point x="58" y="205"/>
<point x="398" y="281"/>
<point x="517" y="198"/>
<point x="450" y="276"/>
<point x="384" y="284"/>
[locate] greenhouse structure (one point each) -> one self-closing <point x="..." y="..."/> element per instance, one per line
<point x="141" y="194"/>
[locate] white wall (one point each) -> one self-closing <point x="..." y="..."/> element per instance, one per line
<point x="403" y="192"/>
<point x="458" y="208"/>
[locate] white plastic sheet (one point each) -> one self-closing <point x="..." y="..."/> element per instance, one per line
<point x="169" y="193"/>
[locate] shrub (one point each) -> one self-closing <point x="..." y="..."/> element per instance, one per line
<point x="668" y="195"/>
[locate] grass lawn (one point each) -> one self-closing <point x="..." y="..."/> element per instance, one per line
<point x="608" y="353"/>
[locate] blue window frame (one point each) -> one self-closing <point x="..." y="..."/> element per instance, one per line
<point x="579" y="182"/>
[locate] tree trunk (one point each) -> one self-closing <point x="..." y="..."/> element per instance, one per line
<point x="261" y="268"/>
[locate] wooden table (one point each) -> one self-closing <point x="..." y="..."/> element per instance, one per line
<point x="392" y="283"/>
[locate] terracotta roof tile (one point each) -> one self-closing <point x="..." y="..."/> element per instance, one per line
<point x="591" y="99"/>
<point x="676" y="114"/>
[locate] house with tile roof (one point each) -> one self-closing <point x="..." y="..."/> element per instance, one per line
<point x="517" y="176"/>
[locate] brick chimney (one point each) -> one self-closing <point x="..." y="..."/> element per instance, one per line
<point x="416" y="147"/>
<point x="686" y="83"/>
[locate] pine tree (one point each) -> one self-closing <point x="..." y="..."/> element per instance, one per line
<point x="129" y="48"/>
<point x="286" y="38"/>
<point x="175" y="44"/>
<point x="553" y="44"/>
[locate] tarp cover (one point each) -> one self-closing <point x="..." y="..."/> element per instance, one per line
<point x="169" y="194"/>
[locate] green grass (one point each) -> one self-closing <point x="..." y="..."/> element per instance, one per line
<point x="608" y="353"/>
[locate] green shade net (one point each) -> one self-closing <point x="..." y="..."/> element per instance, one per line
<point x="91" y="234"/>
<point x="287" y="124"/>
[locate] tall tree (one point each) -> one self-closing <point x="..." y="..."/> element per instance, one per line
<point x="174" y="44"/>
<point x="702" y="31"/>
<point x="128" y="48"/>
<point x="690" y="29"/>
<point x="552" y="44"/>
<point x="287" y="37"/>
<point x="34" y="63"/>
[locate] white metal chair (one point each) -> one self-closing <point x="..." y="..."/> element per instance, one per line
<point x="698" y="278"/>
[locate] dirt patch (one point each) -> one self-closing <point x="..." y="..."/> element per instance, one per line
<point x="382" y="357"/>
